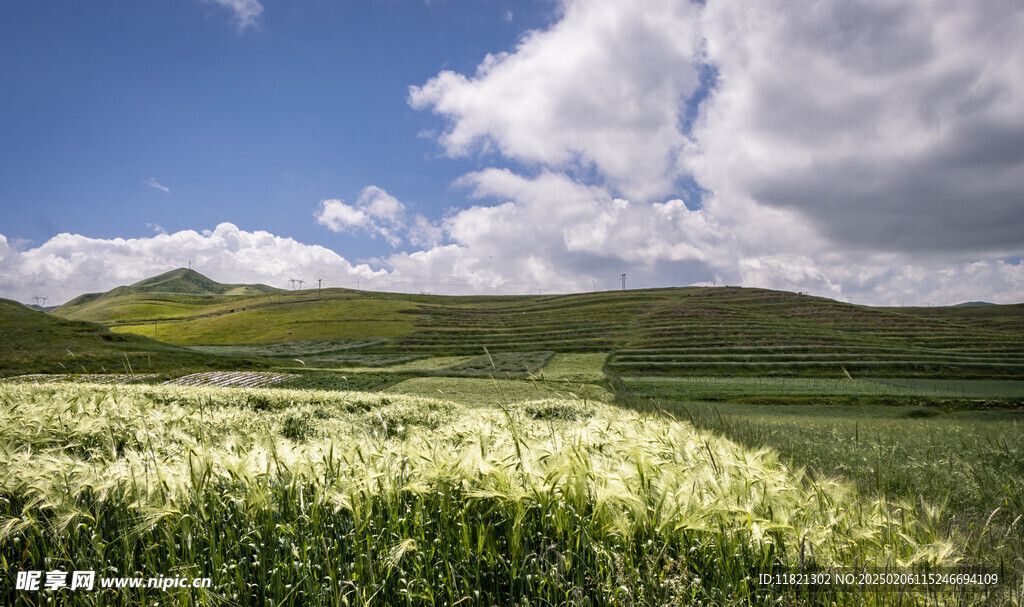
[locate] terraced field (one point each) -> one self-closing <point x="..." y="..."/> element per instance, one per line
<point x="693" y="331"/>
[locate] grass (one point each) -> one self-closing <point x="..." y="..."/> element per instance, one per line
<point x="420" y="363"/>
<point x="262" y="321"/>
<point x="891" y="390"/>
<point x="516" y="364"/>
<point x="480" y="392"/>
<point x="965" y="464"/>
<point x="586" y="367"/>
<point x="36" y="342"/>
<point x="292" y="497"/>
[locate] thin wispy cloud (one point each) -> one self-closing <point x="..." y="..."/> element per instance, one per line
<point x="246" y="12"/>
<point x="153" y="183"/>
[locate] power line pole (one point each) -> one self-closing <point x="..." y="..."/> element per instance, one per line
<point x="319" y="285"/>
<point x="623" y="282"/>
<point x="293" y="281"/>
<point x="300" y="283"/>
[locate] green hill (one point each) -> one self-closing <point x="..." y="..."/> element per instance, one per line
<point x="180" y="292"/>
<point x="37" y="342"/>
<point x="179" y="282"/>
<point x="698" y="331"/>
<point x="184" y="281"/>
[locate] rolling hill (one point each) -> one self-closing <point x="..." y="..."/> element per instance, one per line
<point x="676" y="331"/>
<point x="37" y="342"/>
<point x="170" y="288"/>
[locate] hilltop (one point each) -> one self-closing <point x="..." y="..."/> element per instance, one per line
<point x="176" y="282"/>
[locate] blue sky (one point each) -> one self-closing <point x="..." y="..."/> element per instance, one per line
<point x="252" y="126"/>
<point x="869" y="151"/>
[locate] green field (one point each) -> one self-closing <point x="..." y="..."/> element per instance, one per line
<point x="765" y="389"/>
<point x="965" y="464"/>
<point x="473" y="392"/>
<point x="294" y="498"/>
<point x="655" y="447"/>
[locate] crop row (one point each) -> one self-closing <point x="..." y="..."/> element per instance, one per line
<point x="241" y="379"/>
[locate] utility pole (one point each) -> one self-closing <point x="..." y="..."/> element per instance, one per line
<point x="293" y="281"/>
<point x="300" y="284"/>
<point x="38" y="298"/>
<point x="319" y="285"/>
<point x="623" y="282"/>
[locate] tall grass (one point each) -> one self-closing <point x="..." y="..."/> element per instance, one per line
<point x="965" y="466"/>
<point x="291" y="498"/>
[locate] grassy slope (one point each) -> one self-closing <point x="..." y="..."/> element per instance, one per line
<point x="35" y="342"/>
<point x="687" y="331"/>
<point x="172" y="294"/>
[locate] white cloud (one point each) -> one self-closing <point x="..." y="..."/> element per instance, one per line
<point x="70" y="264"/>
<point x="153" y="183"/>
<point x="245" y="13"/>
<point x="156" y="228"/>
<point x="379" y="214"/>
<point x="338" y="216"/>
<point x="601" y="88"/>
<point x="870" y="151"/>
<point x="891" y="125"/>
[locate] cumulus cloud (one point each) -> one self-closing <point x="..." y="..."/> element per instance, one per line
<point x="245" y="13"/>
<point x="891" y="125"/>
<point x="70" y="264"/>
<point x="600" y="89"/>
<point x="379" y="214"/>
<point x="870" y="151"/>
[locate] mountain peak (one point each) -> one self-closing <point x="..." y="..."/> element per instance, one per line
<point x="181" y="280"/>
